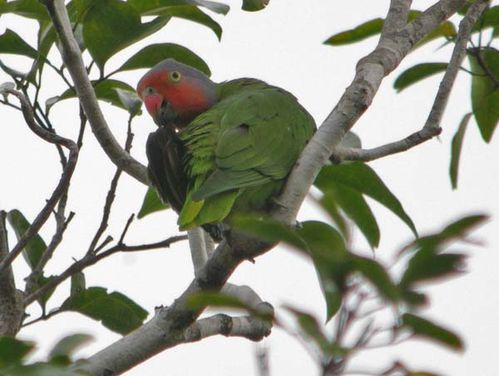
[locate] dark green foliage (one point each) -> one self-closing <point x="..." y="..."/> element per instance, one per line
<point x="11" y="43"/>
<point x="417" y="73"/>
<point x="63" y="349"/>
<point x="105" y="90"/>
<point x="484" y="90"/>
<point x="253" y="5"/>
<point x="373" y="27"/>
<point x="35" y="247"/>
<point x="111" y="26"/>
<point x="154" y="53"/>
<point x="116" y="311"/>
<point x="456" y="147"/>
<point x="13" y="355"/>
<point x="425" y="328"/>
<point x="346" y="184"/>
<point x="13" y="350"/>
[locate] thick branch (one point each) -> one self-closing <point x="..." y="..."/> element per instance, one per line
<point x="431" y="127"/>
<point x="72" y="57"/>
<point x="11" y="308"/>
<point x="396" y="18"/>
<point x="167" y="328"/>
<point x="245" y="326"/>
<point x="370" y="71"/>
<point x="59" y="190"/>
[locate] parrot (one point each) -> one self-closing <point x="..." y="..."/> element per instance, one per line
<point x="220" y="149"/>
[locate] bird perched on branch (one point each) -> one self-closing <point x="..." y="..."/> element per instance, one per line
<point x="220" y="148"/>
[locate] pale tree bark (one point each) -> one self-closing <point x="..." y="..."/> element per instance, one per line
<point x="175" y="324"/>
<point x="11" y="306"/>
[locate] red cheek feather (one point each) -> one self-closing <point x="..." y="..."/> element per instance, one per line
<point x="153" y="103"/>
<point x="187" y="98"/>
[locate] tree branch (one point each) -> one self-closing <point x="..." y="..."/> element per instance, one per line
<point x="431" y="127"/>
<point x="72" y="57"/>
<point x="59" y="190"/>
<point x="370" y="72"/>
<point x="396" y="18"/>
<point x="248" y="327"/>
<point x="92" y="258"/>
<point x="11" y="307"/>
<point x="197" y="246"/>
<point x="166" y="329"/>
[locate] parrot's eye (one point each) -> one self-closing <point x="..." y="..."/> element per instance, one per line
<point x="175" y="76"/>
<point x="148" y="91"/>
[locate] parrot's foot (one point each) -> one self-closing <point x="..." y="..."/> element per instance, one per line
<point x="216" y="231"/>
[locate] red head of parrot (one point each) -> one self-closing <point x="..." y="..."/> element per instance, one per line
<point x="174" y="93"/>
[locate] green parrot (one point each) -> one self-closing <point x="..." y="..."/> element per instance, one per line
<point x="219" y="148"/>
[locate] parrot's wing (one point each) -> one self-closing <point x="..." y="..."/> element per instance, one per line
<point x="261" y="135"/>
<point x="165" y="154"/>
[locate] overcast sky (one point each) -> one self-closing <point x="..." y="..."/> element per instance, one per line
<point x="282" y="45"/>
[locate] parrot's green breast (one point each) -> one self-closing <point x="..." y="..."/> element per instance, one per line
<point x="239" y="152"/>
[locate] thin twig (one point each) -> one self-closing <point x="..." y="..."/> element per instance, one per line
<point x="91" y="259"/>
<point x="61" y="226"/>
<point x="43" y="317"/>
<point x="111" y="194"/>
<point x="431" y="127"/>
<point x="60" y="188"/>
<point x="72" y="57"/>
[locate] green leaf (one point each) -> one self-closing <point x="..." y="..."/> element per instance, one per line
<point x="78" y="283"/>
<point x="41" y="369"/>
<point x="417" y="73"/>
<point x="130" y="101"/>
<point x="35" y="247"/>
<point x="425" y="265"/>
<point x="104" y="90"/>
<point x="150" y="7"/>
<point x="430" y="330"/>
<point x="116" y="311"/>
<point x="68" y="345"/>
<point x="414" y="298"/>
<point x="194" y="14"/>
<point x="6" y="86"/>
<point x="484" y="92"/>
<point x="456" y="147"/>
<point x="268" y="230"/>
<point x="361" y="178"/>
<point x="13" y="350"/>
<point x="445" y="30"/>
<point x="310" y="326"/>
<point x="152" y="203"/>
<point x="328" y="203"/>
<point x="374" y="27"/>
<point x="363" y="31"/>
<point x="355" y="206"/>
<point x="331" y="260"/>
<point x="155" y="53"/>
<point x="254" y="5"/>
<point x="113" y="25"/>
<point x="11" y="43"/>
<point x="378" y="276"/>
<point x="455" y="231"/>
<point x="42" y="281"/>
<point x="26" y="8"/>
<point x="489" y="18"/>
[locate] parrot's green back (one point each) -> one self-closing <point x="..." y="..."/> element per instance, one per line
<point x="239" y="152"/>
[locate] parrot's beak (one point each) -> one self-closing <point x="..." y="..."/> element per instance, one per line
<point x="166" y="116"/>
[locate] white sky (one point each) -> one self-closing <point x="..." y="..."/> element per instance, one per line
<point x="282" y="45"/>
